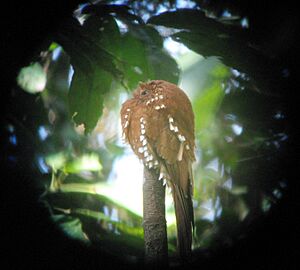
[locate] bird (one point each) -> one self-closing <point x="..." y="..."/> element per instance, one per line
<point x="158" y="124"/>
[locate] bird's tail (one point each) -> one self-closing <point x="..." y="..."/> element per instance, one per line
<point x="185" y="221"/>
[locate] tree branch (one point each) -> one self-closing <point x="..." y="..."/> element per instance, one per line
<point x="155" y="229"/>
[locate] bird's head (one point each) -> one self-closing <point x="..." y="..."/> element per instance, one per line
<point x="150" y="93"/>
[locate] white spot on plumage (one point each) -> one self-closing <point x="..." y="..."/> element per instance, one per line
<point x="181" y="138"/>
<point x="171" y="127"/>
<point x="180" y="152"/>
<point x="126" y="124"/>
<point x="143" y="131"/>
<point x="146" y="154"/>
<point x="126" y="116"/>
<point x="156" y="98"/>
<point x="144" y="142"/>
<point x="142" y="126"/>
<point x="128" y="110"/>
<point x="150" y="158"/>
<point x="142" y="137"/>
<point x="150" y="165"/>
<point x="176" y="129"/>
<point x="157" y="108"/>
<point x="141" y="150"/>
<point x="171" y="120"/>
<point x="161" y="96"/>
<point x="162" y="106"/>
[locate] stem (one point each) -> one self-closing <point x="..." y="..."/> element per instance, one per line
<point x="155" y="229"/>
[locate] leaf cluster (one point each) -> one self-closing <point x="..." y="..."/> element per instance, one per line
<point x="112" y="47"/>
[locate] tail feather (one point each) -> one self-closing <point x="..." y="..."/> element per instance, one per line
<point x="185" y="221"/>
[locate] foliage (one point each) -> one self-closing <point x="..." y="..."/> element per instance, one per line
<point x="103" y="52"/>
<point x="100" y="53"/>
<point x="32" y="78"/>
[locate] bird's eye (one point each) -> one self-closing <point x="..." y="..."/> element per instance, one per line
<point x="144" y="92"/>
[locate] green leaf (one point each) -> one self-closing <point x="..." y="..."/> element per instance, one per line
<point x="73" y="164"/>
<point x="86" y="162"/>
<point x="86" y="96"/>
<point x="189" y="19"/>
<point x="210" y="36"/>
<point x="134" y="60"/>
<point x="104" y="32"/>
<point x="56" y="161"/>
<point x="120" y="225"/>
<point x="220" y="72"/>
<point x="84" y="50"/>
<point x="53" y="46"/>
<point x="207" y="105"/>
<point x="79" y="196"/>
<point x="32" y="78"/>
<point x="94" y="66"/>
<point x="99" y="54"/>
<point x="163" y="67"/>
<point x="71" y="226"/>
<point x="144" y="58"/>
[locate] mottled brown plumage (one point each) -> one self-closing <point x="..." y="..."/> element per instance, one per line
<point x="158" y="123"/>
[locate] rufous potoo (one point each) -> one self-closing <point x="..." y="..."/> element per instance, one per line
<point x="158" y="123"/>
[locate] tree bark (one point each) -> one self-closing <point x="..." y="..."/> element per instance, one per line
<point x="155" y="228"/>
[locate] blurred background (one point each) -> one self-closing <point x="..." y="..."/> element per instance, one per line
<point x="62" y="134"/>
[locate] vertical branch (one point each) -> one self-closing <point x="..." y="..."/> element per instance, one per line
<point x="155" y="229"/>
